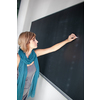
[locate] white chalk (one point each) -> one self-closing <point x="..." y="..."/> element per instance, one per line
<point x="73" y="37"/>
<point x="76" y="37"/>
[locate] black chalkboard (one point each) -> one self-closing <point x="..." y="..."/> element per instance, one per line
<point x="65" y="67"/>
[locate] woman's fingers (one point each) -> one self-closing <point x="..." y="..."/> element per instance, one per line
<point x="73" y="36"/>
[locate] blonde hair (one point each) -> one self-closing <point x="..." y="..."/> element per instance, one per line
<point x="24" y="40"/>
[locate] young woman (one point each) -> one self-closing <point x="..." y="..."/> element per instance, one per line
<point x="27" y="62"/>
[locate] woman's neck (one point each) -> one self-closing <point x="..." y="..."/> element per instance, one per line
<point x="28" y="53"/>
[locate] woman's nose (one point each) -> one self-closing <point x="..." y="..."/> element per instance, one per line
<point x="36" y="41"/>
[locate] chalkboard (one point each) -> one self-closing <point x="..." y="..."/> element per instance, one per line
<point x="65" y="67"/>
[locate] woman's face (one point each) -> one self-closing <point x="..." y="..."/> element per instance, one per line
<point x="33" y="43"/>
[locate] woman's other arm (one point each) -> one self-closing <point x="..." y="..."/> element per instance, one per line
<point x="18" y="60"/>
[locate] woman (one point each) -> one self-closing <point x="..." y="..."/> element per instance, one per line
<point x="27" y="62"/>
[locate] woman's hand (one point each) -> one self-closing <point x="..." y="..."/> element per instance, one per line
<point x="72" y="37"/>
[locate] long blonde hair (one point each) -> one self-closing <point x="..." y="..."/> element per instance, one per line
<point x="24" y="40"/>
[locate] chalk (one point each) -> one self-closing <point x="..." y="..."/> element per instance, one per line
<point x="73" y="37"/>
<point x="76" y="37"/>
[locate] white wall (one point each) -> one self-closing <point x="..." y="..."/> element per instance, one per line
<point x="45" y="91"/>
<point x="31" y="10"/>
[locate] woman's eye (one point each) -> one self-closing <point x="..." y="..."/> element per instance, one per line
<point x="33" y="39"/>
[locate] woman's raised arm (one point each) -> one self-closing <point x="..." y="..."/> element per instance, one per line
<point x="40" y="52"/>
